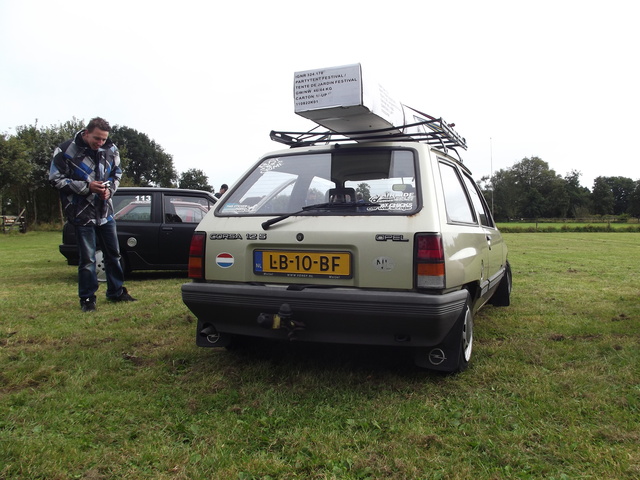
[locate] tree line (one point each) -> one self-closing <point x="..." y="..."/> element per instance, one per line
<point x="25" y="158"/>
<point x="528" y="189"/>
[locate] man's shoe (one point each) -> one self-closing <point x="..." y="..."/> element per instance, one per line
<point x="88" y="304"/>
<point x="123" y="297"/>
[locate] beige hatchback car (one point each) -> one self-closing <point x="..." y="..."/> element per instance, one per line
<point x="375" y="242"/>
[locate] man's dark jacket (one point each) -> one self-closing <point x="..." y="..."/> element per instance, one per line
<point x="73" y="167"/>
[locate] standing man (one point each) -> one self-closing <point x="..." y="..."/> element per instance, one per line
<point x="86" y="171"/>
<point x="223" y="188"/>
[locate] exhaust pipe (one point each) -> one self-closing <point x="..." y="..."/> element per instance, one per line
<point x="213" y="337"/>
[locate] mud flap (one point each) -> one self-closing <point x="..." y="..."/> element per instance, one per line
<point x="449" y="356"/>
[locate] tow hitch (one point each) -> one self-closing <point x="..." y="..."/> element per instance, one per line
<point x="281" y="320"/>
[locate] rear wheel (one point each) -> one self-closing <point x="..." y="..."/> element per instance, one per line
<point x="101" y="272"/>
<point x="466" y="340"/>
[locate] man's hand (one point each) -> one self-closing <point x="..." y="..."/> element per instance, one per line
<point x="100" y="189"/>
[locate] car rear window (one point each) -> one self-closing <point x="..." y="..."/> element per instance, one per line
<point x="382" y="180"/>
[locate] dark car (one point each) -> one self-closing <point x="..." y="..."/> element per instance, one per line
<point x="154" y="228"/>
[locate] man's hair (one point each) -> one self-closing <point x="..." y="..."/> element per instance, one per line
<point x="99" y="123"/>
<point x="224" y="185"/>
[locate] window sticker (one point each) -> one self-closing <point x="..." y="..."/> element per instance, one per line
<point x="270" y="164"/>
<point x="392" y="197"/>
<point x="237" y="208"/>
<point x="392" y="202"/>
<point x="393" y="207"/>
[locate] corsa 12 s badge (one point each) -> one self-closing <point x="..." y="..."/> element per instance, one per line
<point x="237" y="236"/>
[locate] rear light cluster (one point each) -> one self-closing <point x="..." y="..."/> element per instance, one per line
<point x="196" y="255"/>
<point x="429" y="261"/>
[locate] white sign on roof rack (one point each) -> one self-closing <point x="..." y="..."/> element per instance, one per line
<point x="340" y="99"/>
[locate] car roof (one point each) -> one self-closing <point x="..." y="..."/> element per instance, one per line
<point x="176" y="191"/>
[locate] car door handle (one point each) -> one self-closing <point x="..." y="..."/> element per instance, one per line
<point x="167" y="229"/>
<point x="489" y="241"/>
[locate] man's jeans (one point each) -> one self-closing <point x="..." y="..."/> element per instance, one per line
<point x="107" y="240"/>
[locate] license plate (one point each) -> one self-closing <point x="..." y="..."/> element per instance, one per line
<point x="302" y="264"/>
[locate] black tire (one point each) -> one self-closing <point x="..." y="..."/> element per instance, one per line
<point x="502" y="296"/>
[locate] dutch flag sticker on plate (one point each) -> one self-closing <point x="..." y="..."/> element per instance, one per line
<point x="224" y="260"/>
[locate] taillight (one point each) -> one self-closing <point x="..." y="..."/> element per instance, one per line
<point x="196" y="255"/>
<point x="429" y="261"/>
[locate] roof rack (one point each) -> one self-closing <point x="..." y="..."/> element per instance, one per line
<point x="427" y="129"/>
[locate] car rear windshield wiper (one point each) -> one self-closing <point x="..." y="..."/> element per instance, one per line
<point x="318" y="206"/>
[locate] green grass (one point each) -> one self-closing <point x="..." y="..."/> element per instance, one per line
<point x="553" y="390"/>
<point x="559" y="226"/>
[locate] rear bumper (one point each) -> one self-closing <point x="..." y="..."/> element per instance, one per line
<point x="336" y="315"/>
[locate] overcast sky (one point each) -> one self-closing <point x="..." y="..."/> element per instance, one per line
<point x="208" y="81"/>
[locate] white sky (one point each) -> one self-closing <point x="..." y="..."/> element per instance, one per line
<point x="208" y="81"/>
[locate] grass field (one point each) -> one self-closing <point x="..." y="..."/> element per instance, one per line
<point x="553" y="390"/>
<point x="576" y="227"/>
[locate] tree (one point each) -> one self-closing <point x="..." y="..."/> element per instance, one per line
<point x="634" y="201"/>
<point x="602" y="197"/>
<point x="613" y="195"/>
<point x="365" y="190"/>
<point x="557" y="201"/>
<point x="35" y="192"/>
<point x="533" y="205"/>
<point x="25" y="159"/>
<point x="541" y="188"/>
<point x="195" y="179"/>
<point x="529" y="189"/>
<point x="579" y="196"/>
<point x="144" y="162"/>
<point x="14" y="169"/>
<point x="505" y="195"/>
<point x="622" y="189"/>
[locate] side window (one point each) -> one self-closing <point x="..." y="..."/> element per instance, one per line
<point x="132" y="208"/>
<point x="455" y="198"/>
<point x="184" y="209"/>
<point x="478" y="202"/>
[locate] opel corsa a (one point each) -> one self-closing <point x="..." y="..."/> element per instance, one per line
<point x="372" y="232"/>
